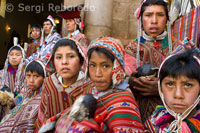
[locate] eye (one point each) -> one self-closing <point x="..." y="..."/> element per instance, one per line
<point x="36" y="76"/>
<point x="71" y="56"/>
<point x="187" y="85"/>
<point x="106" y="66"/>
<point x="169" y="84"/>
<point x="91" y="65"/>
<point x="58" y="57"/>
<point x="27" y="75"/>
<point x="161" y="14"/>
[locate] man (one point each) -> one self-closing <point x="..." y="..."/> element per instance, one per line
<point x="48" y="39"/>
<point x="74" y="24"/>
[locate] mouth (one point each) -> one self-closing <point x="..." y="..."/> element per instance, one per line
<point x="64" y="70"/>
<point x="153" y="30"/>
<point x="178" y="106"/>
<point x="99" y="83"/>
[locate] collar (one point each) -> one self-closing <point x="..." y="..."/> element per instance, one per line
<point x="157" y="38"/>
<point x="76" y="32"/>
<point x="80" y="76"/>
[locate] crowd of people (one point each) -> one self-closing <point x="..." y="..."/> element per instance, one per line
<point x="68" y="85"/>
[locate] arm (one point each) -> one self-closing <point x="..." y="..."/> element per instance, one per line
<point x="123" y="115"/>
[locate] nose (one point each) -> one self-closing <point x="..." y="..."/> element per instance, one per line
<point x="31" y="79"/>
<point x="178" y="92"/>
<point x="154" y="19"/>
<point x="98" y="72"/>
<point x="64" y="60"/>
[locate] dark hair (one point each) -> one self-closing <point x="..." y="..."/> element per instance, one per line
<point x="101" y="50"/>
<point x="68" y="42"/>
<point x="36" y="26"/>
<point x="181" y="64"/>
<point x="35" y="67"/>
<point x="15" y="48"/>
<point x="154" y="2"/>
<point x="46" y="20"/>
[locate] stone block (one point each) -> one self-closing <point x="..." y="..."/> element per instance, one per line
<point x="120" y="29"/>
<point x="93" y="31"/>
<point x="120" y="11"/>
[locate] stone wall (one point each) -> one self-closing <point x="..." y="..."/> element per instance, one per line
<point x="124" y="24"/>
<point x="110" y="17"/>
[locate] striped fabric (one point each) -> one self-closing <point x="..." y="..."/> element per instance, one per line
<point x="188" y="26"/>
<point x="55" y="98"/>
<point x="117" y="112"/>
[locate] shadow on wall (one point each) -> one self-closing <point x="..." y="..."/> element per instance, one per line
<point x="4" y="39"/>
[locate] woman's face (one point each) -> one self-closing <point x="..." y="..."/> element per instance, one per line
<point x="33" y="80"/>
<point x="70" y="25"/>
<point x="100" y="70"/>
<point x="15" y="57"/>
<point x="67" y="64"/>
<point x="154" y="20"/>
<point x="180" y="93"/>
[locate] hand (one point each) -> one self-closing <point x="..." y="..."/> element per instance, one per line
<point x="146" y="86"/>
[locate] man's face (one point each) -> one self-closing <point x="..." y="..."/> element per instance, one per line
<point x="47" y="27"/>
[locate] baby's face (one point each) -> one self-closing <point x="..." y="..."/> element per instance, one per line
<point x="180" y="93"/>
<point x="15" y="57"/>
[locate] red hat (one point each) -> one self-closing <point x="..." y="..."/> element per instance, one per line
<point x="71" y="12"/>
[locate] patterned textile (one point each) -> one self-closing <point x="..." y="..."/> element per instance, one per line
<point x="46" y="47"/>
<point x="161" y="119"/>
<point x="55" y="98"/>
<point x="116" y="48"/>
<point x="117" y="111"/>
<point x="8" y="76"/>
<point x="154" y="53"/>
<point x="32" y="48"/>
<point x="22" y="117"/>
<point x="112" y="115"/>
<point x="188" y="26"/>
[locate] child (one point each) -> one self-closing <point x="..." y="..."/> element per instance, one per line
<point x="117" y="110"/>
<point x="67" y="83"/>
<point x="12" y="74"/>
<point x="179" y="88"/>
<point x="23" y="116"/>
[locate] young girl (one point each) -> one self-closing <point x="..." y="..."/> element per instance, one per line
<point x="179" y="88"/>
<point x="117" y="110"/>
<point x="67" y="83"/>
<point x="23" y="116"/>
<point x="12" y="74"/>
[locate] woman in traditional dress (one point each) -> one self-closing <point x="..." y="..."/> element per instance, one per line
<point x="67" y="83"/>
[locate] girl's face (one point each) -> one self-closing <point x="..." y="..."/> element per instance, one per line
<point x="154" y="20"/>
<point x="67" y="64"/>
<point x="70" y="25"/>
<point x="100" y="70"/>
<point x="180" y="93"/>
<point x="15" y="57"/>
<point x="33" y="80"/>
